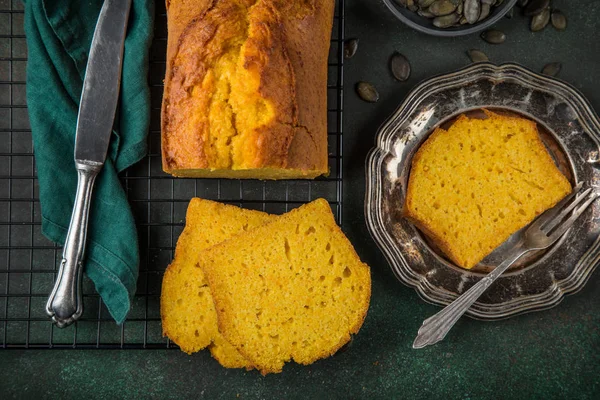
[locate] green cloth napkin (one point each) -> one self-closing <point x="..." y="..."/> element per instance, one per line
<point x="59" y="35"/>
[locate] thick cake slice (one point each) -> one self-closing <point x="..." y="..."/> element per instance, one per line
<point x="292" y="289"/>
<point x="187" y="309"/>
<point x="477" y="183"/>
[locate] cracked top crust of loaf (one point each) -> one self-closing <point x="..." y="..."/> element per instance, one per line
<point x="245" y="91"/>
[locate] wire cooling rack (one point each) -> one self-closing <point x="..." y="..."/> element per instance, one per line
<point x="29" y="262"/>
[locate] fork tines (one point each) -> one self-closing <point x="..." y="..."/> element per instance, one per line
<point x="561" y="217"/>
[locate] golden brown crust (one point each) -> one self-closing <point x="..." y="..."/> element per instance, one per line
<point x="216" y="51"/>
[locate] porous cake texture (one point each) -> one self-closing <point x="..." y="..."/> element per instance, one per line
<point x="187" y="309"/>
<point x="291" y="289"/>
<point x="480" y="181"/>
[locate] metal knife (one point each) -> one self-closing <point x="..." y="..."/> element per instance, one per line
<point x="97" y="108"/>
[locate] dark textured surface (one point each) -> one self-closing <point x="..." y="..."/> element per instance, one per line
<point x="549" y="354"/>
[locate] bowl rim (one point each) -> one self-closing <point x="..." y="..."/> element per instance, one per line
<point x="470" y="29"/>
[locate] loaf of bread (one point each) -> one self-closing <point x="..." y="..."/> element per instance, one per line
<point x="477" y="183"/>
<point x="291" y="289"/>
<point x="186" y="306"/>
<point x="245" y="92"/>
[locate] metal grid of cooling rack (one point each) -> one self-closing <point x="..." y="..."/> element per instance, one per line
<point x="29" y="262"/>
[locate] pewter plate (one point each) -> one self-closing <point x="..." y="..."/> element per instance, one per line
<point x="570" y="130"/>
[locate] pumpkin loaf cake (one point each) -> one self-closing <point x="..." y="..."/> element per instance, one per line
<point x="245" y="91"/>
<point x="187" y="310"/>
<point x="480" y="181"/>
<point x="291" y="289"/>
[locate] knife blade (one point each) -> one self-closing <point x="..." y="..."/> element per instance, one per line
<point x="97" y="108"/>
<point x="102" y="82"/>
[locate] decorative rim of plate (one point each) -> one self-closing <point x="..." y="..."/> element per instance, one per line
<point x="374" y="187"/>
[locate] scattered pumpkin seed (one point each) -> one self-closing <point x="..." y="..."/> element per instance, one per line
<point x="559" y="20"/>
<point x="493" y="36"/>
<point x="350" y="47"/>
<point x="552" y="69"/>
<point x="536" y="7"/>
<point x="540" y="21"/>
<point x="367" y="92"/>
<point x="400" y="67"/>
<point x="477" y="55"/>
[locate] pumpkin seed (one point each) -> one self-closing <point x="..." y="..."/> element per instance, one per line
<point x="350" y="47"/>
<point x="493" y="36"/>
<point x="426" y="14"/>
<point x="442" y="7"/>
<point x="400" y="67"/>
<point x="536" y="7"/>
<point x="552" y="69"/>
<point x="446" y="21"/>
<point x="424" y="3"/>
<point x="559" y="20"/>
<point x="540" y="21"/>
<point x="485" y="12"/>
<point x="472" y="10"/>
<point x="522" y="3"/>
<point x="466" y="11"/>
<point x="367" y="92"/>
<point x="477" y="55"/>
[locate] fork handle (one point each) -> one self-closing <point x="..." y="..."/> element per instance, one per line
<point x="435" y="328"/>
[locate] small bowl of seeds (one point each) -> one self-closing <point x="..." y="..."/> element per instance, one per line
<point x="449" y="17"/>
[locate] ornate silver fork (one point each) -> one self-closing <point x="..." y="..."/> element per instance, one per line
<point x="544" y="231"/>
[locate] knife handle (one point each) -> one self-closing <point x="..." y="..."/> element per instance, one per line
<point x="65" y="304"/>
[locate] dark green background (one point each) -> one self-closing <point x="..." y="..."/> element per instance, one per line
<point x="549" y="354"/>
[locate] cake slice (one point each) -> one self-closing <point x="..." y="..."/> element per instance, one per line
<point x="292" y="289"/>
<point x="480" y="181"/>
<point x="187" y="309"/>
